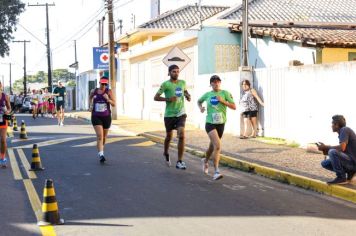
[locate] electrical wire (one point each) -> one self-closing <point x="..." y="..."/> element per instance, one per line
<point x="80" y="30"/>
<point x="31" y="34"/>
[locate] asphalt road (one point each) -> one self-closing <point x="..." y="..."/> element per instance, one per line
<point x="135" y="193"/>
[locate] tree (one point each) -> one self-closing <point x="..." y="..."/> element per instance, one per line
<point x="42" y="77"/>
<point x="63" y="75"/>
<point x="9" y="12"/>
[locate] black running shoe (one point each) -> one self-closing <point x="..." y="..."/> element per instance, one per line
<point x="350" y="175"/>
<point x="338" y="180"/>
<point x="102" y="159"/>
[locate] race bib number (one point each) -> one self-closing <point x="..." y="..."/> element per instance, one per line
<point x="100" y="107"/>
<point x="60" y="99"/>
<point x="217" y="118"/>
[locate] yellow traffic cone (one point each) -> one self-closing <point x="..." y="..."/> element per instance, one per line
<point x="49" y="206"/>
<point x="14" y="128"/>
<point x="9" y="131"/>
<point x="23" y="134"/>
<point x="36" y="160"/>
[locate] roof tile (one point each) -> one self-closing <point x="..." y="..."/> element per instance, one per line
<point x="182" y="18"/>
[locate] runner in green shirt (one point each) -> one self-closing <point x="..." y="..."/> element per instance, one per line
<point x="217" y="100"/>
<point x="174" y="117"/>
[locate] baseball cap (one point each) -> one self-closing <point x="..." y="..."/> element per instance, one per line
<point x="214" y="78"/>
<point x="104" y="80"/>
<point x="172" y="67"/>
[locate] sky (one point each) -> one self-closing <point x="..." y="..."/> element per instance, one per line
<point x="69" y="20"/>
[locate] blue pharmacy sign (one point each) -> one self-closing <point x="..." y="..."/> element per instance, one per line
<point x="101" y="58"/>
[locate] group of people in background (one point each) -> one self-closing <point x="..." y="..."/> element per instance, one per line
<point x="49" y="104"/>
<point x="42" y="102"/>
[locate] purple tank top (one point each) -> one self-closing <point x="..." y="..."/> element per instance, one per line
<point x="100" y="106"/>
<point x="2" y="103"/>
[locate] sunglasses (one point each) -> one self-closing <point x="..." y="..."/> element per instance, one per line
<point x="104" y="84"/>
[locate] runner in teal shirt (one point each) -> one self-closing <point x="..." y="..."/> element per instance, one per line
<point x="174" y="117"/>
<point x="217" y="100"/>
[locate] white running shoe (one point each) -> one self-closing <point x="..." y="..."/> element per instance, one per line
<point x="181" y="165"/>
<point x="205" y="166"/>
<point x="168" y="160"/>
<point x="217" y="176"/>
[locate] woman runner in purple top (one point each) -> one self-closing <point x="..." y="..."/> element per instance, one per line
<point x="100" y="101"/>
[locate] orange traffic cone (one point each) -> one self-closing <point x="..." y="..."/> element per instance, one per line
<point x="36" y="160"/>
<point x="49" y="206"/>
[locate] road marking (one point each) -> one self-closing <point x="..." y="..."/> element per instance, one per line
<point x="26" y="164"/>
<point x="58" y="141"/>
<point x="14" y="166"/>
<point x="36" y="207"/>
<point x="143" y="144"/>
<point x="29" y="139"/>
<point x="109" y="140"/>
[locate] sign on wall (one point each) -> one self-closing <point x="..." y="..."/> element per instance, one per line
<point x="176" y="57"/>
<point x="101" y="58"/>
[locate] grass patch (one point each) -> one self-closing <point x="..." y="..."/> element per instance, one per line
<point x="278" y="141"/>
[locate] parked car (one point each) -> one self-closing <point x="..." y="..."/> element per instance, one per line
<point x="26" y="105"/>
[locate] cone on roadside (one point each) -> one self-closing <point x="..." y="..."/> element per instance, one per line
<point x="49" y="206"/>
<point x="9" y="131"/>
<point x="23" y="134"/>
<point x="36" y="160"/>
<point x="14" y="127"/>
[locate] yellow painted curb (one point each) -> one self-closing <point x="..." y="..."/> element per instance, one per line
<point x="282" y="176"/>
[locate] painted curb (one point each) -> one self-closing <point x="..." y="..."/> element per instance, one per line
<point x="275" y="174"/>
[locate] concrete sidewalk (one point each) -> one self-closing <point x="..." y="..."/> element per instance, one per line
<point x="281" y="162"/>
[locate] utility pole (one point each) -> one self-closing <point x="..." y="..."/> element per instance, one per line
<point x="99" y="21"/>
<point x="24" y="64"/>
<point x="49" y="72"/>
<point x="112" y="69"/>
<point x="245" y="33"/>
<point x="102" y="31"/>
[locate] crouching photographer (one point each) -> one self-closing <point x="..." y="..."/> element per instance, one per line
<point x="342" y="157"/>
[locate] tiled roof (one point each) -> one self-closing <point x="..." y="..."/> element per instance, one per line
<point x="182" y="18"/>
<point x="329" y="11"/>
<point x="308" y="36"/>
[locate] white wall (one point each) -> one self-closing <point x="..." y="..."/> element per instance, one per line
<point x="142" y="80"/>
<point x="275" y="54"/>
<point x="300" y="101"/>
<point x="82" y="89"/>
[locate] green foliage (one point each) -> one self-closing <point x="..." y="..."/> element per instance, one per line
<point x="63" y="75"/>
<point x="42" y="77"/>
<point x="9" y="12"/>
<point x="71" y="83"/>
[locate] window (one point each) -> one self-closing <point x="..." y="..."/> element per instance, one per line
<point x="352" y="56"/>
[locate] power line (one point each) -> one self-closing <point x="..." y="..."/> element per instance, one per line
<point x="86" y="31"/>
<point x="79" y="31"/>
<point x="31" y="34"/>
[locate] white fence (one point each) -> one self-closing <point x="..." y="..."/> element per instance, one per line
<point x="300" y="101"/>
